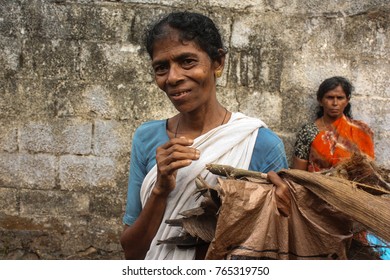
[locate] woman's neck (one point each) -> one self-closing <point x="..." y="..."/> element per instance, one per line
<point x="326" y="122"/>
<point x="329" y="120"/>
<point x="194" y="124"/>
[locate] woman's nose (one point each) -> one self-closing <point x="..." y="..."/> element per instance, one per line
<point x="174" y="75"/>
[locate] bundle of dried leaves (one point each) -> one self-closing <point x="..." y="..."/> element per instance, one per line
<point x="357" y="188"/>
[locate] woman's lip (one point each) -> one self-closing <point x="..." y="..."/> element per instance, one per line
<point x="179" y="95"/>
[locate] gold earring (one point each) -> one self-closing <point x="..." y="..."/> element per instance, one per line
<point x="218" y="73"/>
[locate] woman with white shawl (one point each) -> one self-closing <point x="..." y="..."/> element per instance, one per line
<point x="187" y="56"/>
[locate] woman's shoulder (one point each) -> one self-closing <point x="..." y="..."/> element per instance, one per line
<point x="268" y="135"/>
<point x="267" y="140"/>
<point x="152" y="124"/>
<point x="362" y="125"/>
<point x="306" y="134"/>
<point x="308" y="129"/>
<point x="147" y="131"/>
<point x="304" y="139"/>
<point x="150" y="127"/>
<point x="269" y="153"/>
<point x="309" y="126"/>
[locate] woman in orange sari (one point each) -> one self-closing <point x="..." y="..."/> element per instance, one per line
<point x="334" y="135"/>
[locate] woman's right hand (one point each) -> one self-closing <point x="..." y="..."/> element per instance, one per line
<point x="170" y="157"/>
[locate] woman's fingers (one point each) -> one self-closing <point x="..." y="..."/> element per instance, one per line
<point x="176" y="154"/>
<point x="171" y="156"/>
<point x="283" y="196"/>
<point x="173" y="166"/>
<point x="183" y="141"/>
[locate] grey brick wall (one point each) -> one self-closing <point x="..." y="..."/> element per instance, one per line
<point x="75" y="83"/>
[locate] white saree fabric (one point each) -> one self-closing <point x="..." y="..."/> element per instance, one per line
<point x="231" y="144"/>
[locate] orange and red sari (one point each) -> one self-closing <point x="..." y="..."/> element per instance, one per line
<point x="347" y="137"/>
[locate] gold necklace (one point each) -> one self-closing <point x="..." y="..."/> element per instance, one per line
<point x="178" y="122"/>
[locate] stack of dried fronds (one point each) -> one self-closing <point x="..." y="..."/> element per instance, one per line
<point x="198" y="223"/>
<point x="351" y="198"/>
<point x="357" y="188"/>
<point x="360" y="169"/>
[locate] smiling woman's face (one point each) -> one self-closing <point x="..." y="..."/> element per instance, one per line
<point x="184" y="72"/>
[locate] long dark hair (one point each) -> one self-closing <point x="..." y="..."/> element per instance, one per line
<point x="330" y="84"/>
<point x="191" y="27"/>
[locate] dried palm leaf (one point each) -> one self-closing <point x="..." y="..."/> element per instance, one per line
<point x="198" y="223"/>
<point x="183" y="241"/>
<point x="361" y="169"/>
<point x="373" y="211"/>
<point x="357" y="188"/>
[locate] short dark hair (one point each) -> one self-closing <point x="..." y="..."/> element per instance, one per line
<point x="330" y="84"/>
<point x="191" y="27"/>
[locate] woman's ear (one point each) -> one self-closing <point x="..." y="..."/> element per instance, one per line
<point x="219" y="63"/>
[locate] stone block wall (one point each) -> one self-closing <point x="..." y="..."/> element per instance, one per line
<point x="75" y="83"/>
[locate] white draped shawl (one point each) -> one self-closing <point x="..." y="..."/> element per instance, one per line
<point x="231" y="144"/>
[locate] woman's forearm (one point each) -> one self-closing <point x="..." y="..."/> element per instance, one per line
<point x="300" y="164"/>
<point x="136" y="239"/>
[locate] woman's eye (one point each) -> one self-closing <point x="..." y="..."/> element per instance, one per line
<point x="188" y="62"/>
<point x="160" y="69"/>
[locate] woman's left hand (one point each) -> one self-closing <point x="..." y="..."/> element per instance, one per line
<point x="283" y="196"/>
